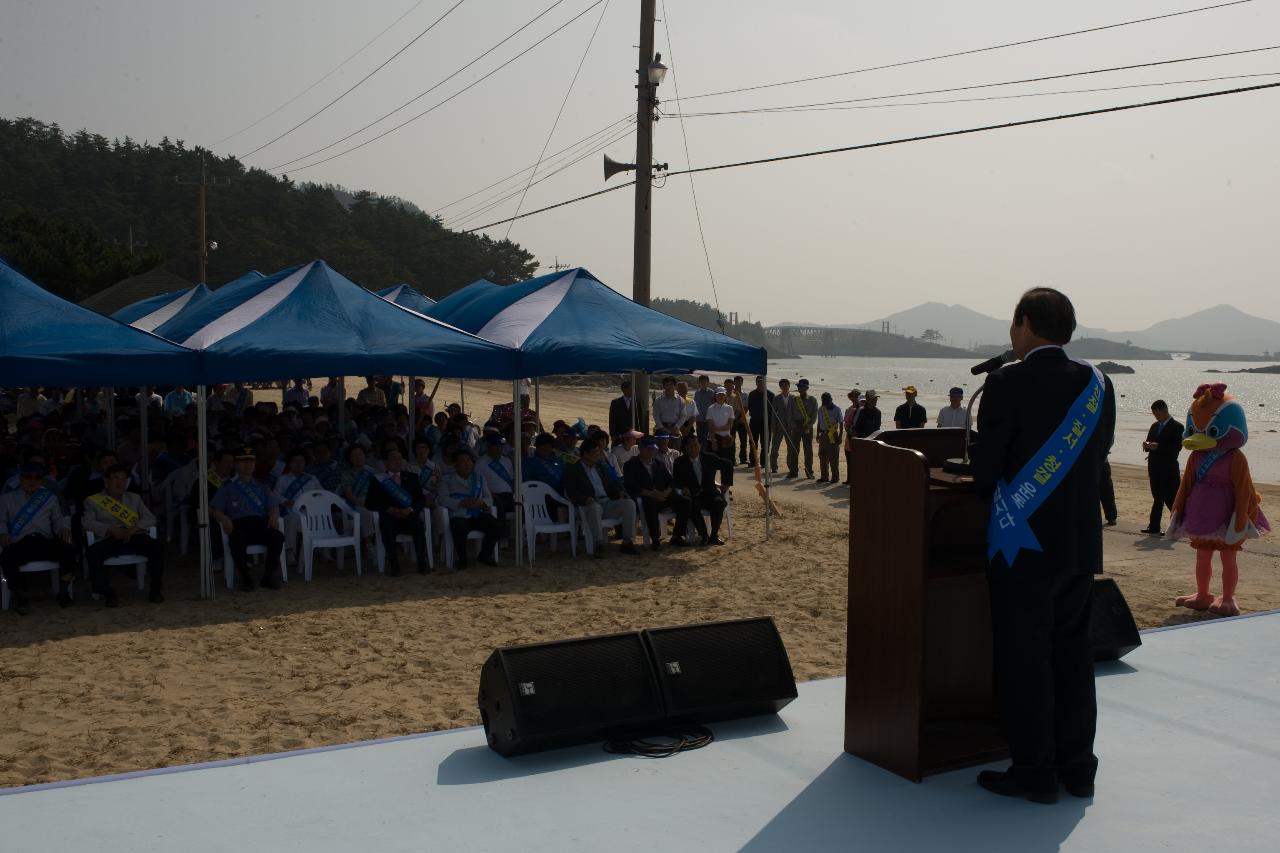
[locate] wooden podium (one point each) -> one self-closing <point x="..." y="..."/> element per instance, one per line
<point x="918" y="697"/>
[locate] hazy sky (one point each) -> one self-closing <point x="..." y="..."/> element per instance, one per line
<point x="1138" y="216"/>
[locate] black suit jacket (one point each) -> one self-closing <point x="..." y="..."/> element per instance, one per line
<point x="1023" y="404"/>
<point x="637" y="479"/>
<point x="685" y="478"/>
<point x="380" y="499"/>
<point x="1165" y="457"/>
<point x="620" y="417"/>
<point x="868" y="422"/>
<point x="578" y="488"/>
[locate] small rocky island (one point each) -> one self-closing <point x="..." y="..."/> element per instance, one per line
<point x="1110" y="367"/>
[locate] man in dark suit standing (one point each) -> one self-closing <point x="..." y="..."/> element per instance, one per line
<point x="695" y="476"/>
<point x="620" y="413"/>
<point x="759" y="404"/>
<point x="869" y="418"/>
<point x="397" y="498"/>
<point x="1163" y="444"/>
<point x="1045" y="424"/>
<point x="647" y="479"/>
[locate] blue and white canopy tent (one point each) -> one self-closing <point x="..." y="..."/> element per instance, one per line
<point x="147" y="314"/>
<point x="462" y="297"/>
<point x="311" y="320"/>
<point x="571" y="322"/>
<point x="405" y="295"/>
<point x="46" y="340"/>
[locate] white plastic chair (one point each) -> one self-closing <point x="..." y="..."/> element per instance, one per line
<point x="228" y="564"/>
<point x="727" y="520"/>
<point x="125" y="559"/>
<point x="606" y="523"/>
<point x="663" y="517"/>
<point x="315" y="521"/>
<point x="34" y="566"/>
<point x="473" y="536"/>
<point x="537" y="519"/>
<point x="404" y="539"/>
<point x="175" y="492"/>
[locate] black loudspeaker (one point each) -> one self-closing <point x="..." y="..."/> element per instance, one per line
<point x="721" y="670"/>
<point x="1112" y="630"/>
<point x="557" y="694"/>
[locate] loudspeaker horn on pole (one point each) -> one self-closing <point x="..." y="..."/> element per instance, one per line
<point x="613" y="167"/>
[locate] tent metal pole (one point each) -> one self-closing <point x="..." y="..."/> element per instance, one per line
<point x="144" y="458"/>
<point x="537" y="403"/>
<point x="202" y="452"/>
<point x="462" y="395"/>
<point x="111" y="418"/>
<point x="342" y="407"/>
<point x="516" y="461"/>
<point x="413" y="412"/>
<point x="764" y="461"/>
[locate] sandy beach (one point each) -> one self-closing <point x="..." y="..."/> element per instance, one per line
<point x="87" y="691"/>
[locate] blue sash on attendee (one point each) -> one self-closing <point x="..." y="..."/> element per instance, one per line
<point x="402" y="498"/>
<point x="497" y="467"/>
<point x="328" y="475"/>
<point x="1205" y="464"/>
<point x="476" y="491"/>
<point x="360" y="483"/>
<point x="296" y="486"/>
<point x="255" y="500"/>
<point x="1013" y="503"/>
<point x="29" y="511"/>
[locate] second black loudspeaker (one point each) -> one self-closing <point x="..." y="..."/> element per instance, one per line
<point x="721" y="670"/>
<point x="1112" y="630"/>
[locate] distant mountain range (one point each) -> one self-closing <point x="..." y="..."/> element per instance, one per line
<point x="1221" y="329"/>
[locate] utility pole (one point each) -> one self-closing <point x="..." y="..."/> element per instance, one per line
<point x="646" y="102"/>
<point x="557" y="266"/>
<point x="203" y="184"/>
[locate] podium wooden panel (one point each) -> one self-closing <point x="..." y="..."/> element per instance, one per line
<point x="918" y="696"/>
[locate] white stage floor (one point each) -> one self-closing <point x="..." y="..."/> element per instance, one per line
<point x="1188" y="730"/>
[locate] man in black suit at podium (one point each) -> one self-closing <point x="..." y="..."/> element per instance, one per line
<point x="1045" y="424"/>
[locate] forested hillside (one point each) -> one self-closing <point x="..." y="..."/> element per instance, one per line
<point x="70" y="204"/>
<point x="704" y="315"/>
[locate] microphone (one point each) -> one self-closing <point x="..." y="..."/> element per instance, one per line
<point x="994" y="363"/>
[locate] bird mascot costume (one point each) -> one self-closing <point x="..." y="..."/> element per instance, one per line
<point x="1216" y="508"/>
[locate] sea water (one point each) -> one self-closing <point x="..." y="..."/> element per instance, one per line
<point x="1173" y="381"/>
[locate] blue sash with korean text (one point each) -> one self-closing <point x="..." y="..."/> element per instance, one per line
<point x="298" y="484"/>
<point x="1013" y="503"/>
<point x="29" y="511"/>
<point x="360" y="483"/>
<point x="402" y="498"/>
<point x="476" y="485"/>
<point x="498" y="468"/>
<point x="251" y="494"/>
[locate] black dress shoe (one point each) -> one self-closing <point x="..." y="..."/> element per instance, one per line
<point x="489" y="561"/>
<point x="679" y="541"/>
<point x="1110" y="522"/>
<point x="269" y="582"/>
<point x="21" y="606"/>
<point x="1078" y="789"/>
<point x="64" y="597"/>
<point x="246" y="583"/>
<point x="1006" y="785"/>
<point x="394" y="571"/>
<point x="628" y="548"/>
<point x="704" y="541"/>
<point x="1150" y="532"/>
<point x="715" y="540"/>
<point x="156" y="597"/>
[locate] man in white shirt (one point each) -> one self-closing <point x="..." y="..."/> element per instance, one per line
<point x="176" y="402"/>
<point x="720" y="420"/>
<point x="331" y="393"/>
<point x="953" y="415"/>
<point x="297" y="395"/>
<point x="668" y="409"/>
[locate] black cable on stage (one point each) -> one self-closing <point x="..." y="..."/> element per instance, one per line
<point x="424" y="92"/>
<point x="556" y="123"/>
<point x="326" y="76"/>
<point x="969" y="52"/>
<point x="466" y="88"/>
<point x="359" y="82"/>
<point x="903" y="140"/>
<point x="661" y="744"/>
<point x="1001" y="97"/>
<point x="1041" y="79"/>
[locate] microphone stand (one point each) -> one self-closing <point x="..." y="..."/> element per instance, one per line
<point x="961" y="465"/>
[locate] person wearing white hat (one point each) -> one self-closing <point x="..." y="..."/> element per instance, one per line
<point x="720" y="420"/>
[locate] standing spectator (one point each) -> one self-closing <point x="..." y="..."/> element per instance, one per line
<point x="780" y="427"/>
<point x="297" y="395"/>
<point x="953" y="414"/>
<point x="621" y="413"/>
<point x="851" y="416"/>
<point x="467" y="498"/>
<point x="249" y="513"/>
<point x="689" y="411"/>
<point x="1163" y="444"/>
<point x="805" y="412"/>
<point x="371" y="394"/>
<point x="590" y="487"/>
<point x="241" y="399"/>
<point x="739" y="404"/>
<point x="702" y="400"/>
<point x="869" y="418"/>
<point x="397" y="498"/>
<point x="910" y="415"/>
<point x="830" y="424"/>
<point x="720" y="423"/>
<point x="668" y="409"/>
<point x="120" y="521"/>
<point x="176" y="402"/>
<point x="759" y="405"/>
<point x="32" y="527"/>
<point x="331" y="393"/>
<point x="423" y="406"/>
<point x="647" y="480"/>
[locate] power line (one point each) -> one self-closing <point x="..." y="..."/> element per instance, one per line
<point x="693" y="191"/>
<point x="606" y="129"/>
<point x="424" y="92"/>
<point x="359" y="82"/>
<point x="1040" y="79"/>
<point x="903" y="140"/>
<point x="559" y="113"/>
<point x="466" y="88"/>
<point x="1000" y="97"/>
<point x="326" y="76"/>
<point x="968" y="52"/>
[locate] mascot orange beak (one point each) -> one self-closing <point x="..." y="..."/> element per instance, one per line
<point x="1199" y="441"/>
